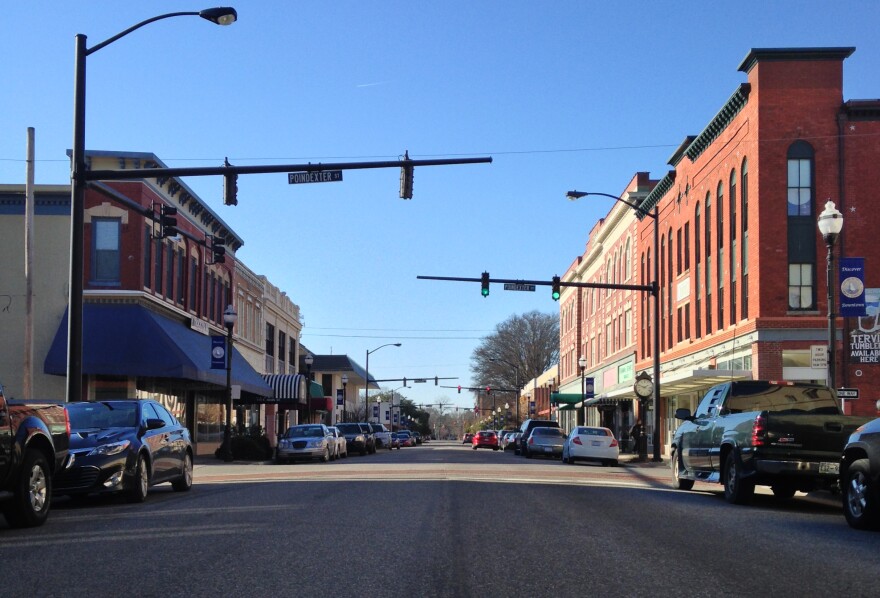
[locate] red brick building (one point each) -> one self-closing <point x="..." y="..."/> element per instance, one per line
<point x="742" y="262"/>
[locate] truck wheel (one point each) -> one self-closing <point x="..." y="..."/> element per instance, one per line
<point x="737" y="490"/>
<point x="32" y="493"/>
<point x="141" y="482"/>
<point x="782" y="491"/>
<point x="860" y="500"/>
<point x="677" y="482"/>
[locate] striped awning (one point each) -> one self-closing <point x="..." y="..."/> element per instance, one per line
<point x="289" y="388"/>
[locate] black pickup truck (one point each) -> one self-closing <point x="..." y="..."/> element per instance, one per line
<point x="34" y="443"/>
<point x="786" y="435"/>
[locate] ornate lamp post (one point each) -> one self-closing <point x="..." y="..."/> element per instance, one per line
<point x="830" y="225"/>
<point x="516" y="379"/>
<point x="229" y="319"/>
<point x="309" y="359"/>
<point x="344" y="397"/>
<point x="220" y="16"/>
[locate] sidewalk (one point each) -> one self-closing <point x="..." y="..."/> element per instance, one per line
<point x="632" y="460"/>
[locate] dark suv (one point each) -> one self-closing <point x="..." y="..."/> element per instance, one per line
<point x="522" y="448"/>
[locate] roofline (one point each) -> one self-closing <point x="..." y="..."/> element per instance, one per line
<point x="828" y="53"/>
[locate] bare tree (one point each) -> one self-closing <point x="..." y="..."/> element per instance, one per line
<point x="521" y="348"/>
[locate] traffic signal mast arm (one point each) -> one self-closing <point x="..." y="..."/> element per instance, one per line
<point x="651" y="288"/>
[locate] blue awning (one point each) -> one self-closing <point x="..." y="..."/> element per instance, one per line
<point x="131" y="340"/>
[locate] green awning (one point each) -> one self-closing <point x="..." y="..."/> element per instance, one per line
<point x="315" y="390"/>
<point x="557" y="398"/>
<point x="566" y="407"/>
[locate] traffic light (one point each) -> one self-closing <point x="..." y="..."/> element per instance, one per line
<point x="230" y="189"/>
<point x="459" y="389"/>
<point x="436" y="380"/>
<point x="406" y="179"/>
<point x="488" y="390"/>
<point x="485" y="284"/>
<point x="218" y="248"/>
<point x="556" y="294"/>
<point x="167" y="221"/>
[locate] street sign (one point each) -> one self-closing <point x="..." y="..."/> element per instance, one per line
<point x="589" y="388"/>
<point x="848" y="393"/>
<point x="320" y="176"/>
<point x="420" y="380"/>
<point x="819" y="357"/>
<point x="515" y="286"/>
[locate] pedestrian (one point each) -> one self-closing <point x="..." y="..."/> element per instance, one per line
<point x="636" y="434"/>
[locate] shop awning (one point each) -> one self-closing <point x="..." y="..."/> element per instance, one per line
<point x="290" y="390"/>
<point x="606" y="401"/>
<point x="561" y="398"/>
<point x="317" y="400"/>
<point x="131" y="340"/>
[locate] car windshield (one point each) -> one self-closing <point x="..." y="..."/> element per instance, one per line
<point x="349" y="428"/>
<point x="592" y="432"/>
<point x="87" y="415"/>
<point x="305" y="432"/>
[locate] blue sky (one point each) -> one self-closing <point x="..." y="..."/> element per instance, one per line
<point x="562" y="95"/>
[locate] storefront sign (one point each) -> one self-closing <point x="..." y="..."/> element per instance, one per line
<point x="218" y="352"/>
<point x="864" y="348"/>
<point x="340" y="400"/>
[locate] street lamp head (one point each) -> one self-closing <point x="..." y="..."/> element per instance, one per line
<point x="309" y="359"/>
<point x="830" y="223"/>
<point x="221" y="15"/>
<point x="574" y="195"/>
<point x="582" y="362"/>
<point x="230" y="317"/>
<point x="344" y="379"/>
<point x="507" y="405"/>
<point x="397" y="344"/>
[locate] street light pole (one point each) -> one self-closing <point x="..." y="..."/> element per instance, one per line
<point x="830" y="225"/>
<point x="220" y="16"/>
<point x="655" y="214"/>
<point x="344" y="398"/>
<point x="367" y="381"/>
<point x="309" y="359"/>
<point x="582" y="364"/>
<point x="229" y="319"/>
<point x="516" y="383"/>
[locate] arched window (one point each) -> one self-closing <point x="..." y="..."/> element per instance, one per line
<point x="733" y="240"/>
<point x="698" y="281"/>
<point x="708" y="278"/>
<point x="719" y="231"/>
<point x="744" y="226"/>
<point x="627" y="266"/>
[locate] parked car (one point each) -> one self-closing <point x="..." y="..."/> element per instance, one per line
<point x="34" y="440"/>
<point x="860" y="477"/>
<point x="417" y="436"/>
<point x="305" y="441"/>
<point x="592" y="444"/>
<point x="355" y="439"/>
<point x="381" y="436"/>
<point x="526" y="429"/>
<point x="338" y="439"/>
<point x="468" y="438"/>
<point x="786" y="435"/>
<point x="545" y="441"/>
<point x="125" y="446"/>
<point x="395" y="440"/>
<point x="508" y="443"/>
<point x="486" y="439"/>
<point x="406" y="438"/>
<point x="367" y="429"/>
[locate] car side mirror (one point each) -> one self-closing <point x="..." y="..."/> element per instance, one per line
<point x="683" y="413"/>
<point x="155" y="424"/>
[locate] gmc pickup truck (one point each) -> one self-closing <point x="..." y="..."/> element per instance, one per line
<point x="34" y="443"/>
<point x="785" y="435"/>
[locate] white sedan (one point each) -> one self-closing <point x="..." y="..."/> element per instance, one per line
<point x="595" y="444"/>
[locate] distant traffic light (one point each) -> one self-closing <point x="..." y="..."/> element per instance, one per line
<point x="556" y="293"/>
<point x="485" y="284"/>
<point x="230" y="189"/>
<point x="406" y="179"/>
<point x="167" y="221"/>
<point x="459" y="389"/>
<point x="436" y="380"/>
<point x="218" y="248"/>
<point x="488" y="390"/>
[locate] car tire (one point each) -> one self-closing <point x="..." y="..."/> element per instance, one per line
<point x="860" y="500"/>
<point x="363" y="451"/>
<point x="326" y="456"/>
<point x="473" y="447"/>
<point x="528" y="454"/>
<point x="141" y="482"/>
<point x="677" y="467"/>
<point x="737" y="490"/>
<point x="32" y="496"/>
<point x="185" y="481"/>
<point x="494" y="448"/>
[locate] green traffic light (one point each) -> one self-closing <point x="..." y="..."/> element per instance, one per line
<point x="485" y="292"/>
<point x="555" y="295"/>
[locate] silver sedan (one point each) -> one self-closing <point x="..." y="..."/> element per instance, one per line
<point x="545" y="441"/>
<point x="309" y="441"/>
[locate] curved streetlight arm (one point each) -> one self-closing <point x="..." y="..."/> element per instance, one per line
<point x="573" y="195"/>
<point x="220" y="16"/>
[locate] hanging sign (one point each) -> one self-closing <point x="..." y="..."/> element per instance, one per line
<point x="218" y="352"/>
<point x="852" y="287"/>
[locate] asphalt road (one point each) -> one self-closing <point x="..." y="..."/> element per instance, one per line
<point x="439" y="520"/>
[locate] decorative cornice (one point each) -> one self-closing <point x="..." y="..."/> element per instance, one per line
<point x="656" y="194"/>
<point x="717" y="125"/>
<point x="756" y="55"/>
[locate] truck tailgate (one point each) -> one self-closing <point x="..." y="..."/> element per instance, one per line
<point x="808" y="437"/>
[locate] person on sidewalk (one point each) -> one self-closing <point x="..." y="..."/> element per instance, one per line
<point x="636" y="434"/>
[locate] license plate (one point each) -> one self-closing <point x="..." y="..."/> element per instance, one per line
<point x="547" y="449"/>
<point x="596" y="442"/>
<point x="832" y="468"/>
